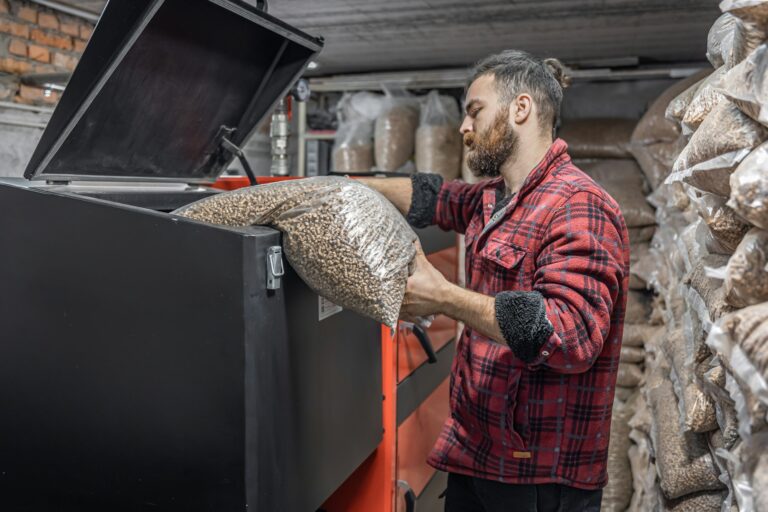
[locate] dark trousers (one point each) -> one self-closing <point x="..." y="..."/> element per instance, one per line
<point x="468" y="494"/>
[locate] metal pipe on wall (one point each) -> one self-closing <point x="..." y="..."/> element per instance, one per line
<point x="68" y="9"/>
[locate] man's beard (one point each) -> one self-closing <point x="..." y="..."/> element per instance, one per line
<point x="491" y="148"/>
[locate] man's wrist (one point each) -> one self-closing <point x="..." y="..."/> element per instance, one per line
<point x="447" y="295"/>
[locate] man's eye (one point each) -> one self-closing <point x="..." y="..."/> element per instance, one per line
<point x="474" y="112"/>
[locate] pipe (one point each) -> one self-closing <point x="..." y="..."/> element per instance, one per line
<point x="69" y="9"/>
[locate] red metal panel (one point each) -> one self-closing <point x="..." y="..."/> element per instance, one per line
<point x="416" y="436"/>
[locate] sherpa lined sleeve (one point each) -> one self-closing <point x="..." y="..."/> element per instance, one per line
<point x="424" y="199"/>
<point x="579" y="272"/>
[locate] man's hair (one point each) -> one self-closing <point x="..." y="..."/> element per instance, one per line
<point x="516" y="72"/>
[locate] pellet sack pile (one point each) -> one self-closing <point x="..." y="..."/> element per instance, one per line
<point x="699" y="433"/>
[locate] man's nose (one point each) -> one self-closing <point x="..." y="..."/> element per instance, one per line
<point x="466" y="126"/>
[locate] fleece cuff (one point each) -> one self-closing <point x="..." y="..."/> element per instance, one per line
<point x="424" y="201"/>
<point x="522" y="317"/>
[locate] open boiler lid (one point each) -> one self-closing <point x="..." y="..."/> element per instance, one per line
<point x="162" y="83"/>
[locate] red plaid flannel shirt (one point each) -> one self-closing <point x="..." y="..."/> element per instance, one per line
<point x="547" y="421"/>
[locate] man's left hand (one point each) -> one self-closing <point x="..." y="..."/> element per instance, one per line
<point x="425" y="289"/>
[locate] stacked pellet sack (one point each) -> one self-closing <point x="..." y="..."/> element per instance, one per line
<point x="703" y="436"/>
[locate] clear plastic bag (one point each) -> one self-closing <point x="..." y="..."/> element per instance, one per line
<point x="750" y="10"/>
<point x="706" y="295"/>
<point x="746" y="85"/>
<point x="707" y="97"/>
<point x="759" y="471"/>
<point x="676" y="109"/>
<point x="720" y="37"/>
<point x="438" y="141"/>
<point x="639" y="235"/>
<point x="641" y="264"/>
<point x="697" y="502"/>
<point x="697" y="411"/>
<point x="656" y="160"/>
<point x="749" y="329"/>
<point x="752" y="334"/>
<point x="745" y="383"/>
<point x="654" y="127"/>
<point x="353" y="146"/>
<point x="629" y="376"/>
<point x="731" y="40"/>
<point x="749" y="187"/>
<point x="684" y="463"/>
<point x="618" y="492"/>
<point x="345" y="240"/>
<point x="638" y="307"/>
<point x="637" y="335"/>
<point x="395" y="130"/>
<point x="723" y="223"/>
<point x="746" y="279"/>
<point x="632" y="355"/>
<point x="724" y="138"/>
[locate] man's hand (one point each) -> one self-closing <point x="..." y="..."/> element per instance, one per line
<point x="429" y="293"/>
<point x="425" y="290"/>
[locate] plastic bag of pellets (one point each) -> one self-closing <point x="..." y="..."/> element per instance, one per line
<point x="724" y="224"/>
<point x="683" y="460"/>
<point x="746" y="276"/>
<point x="353" y="145"/>
<point x="731" y="40"/>
<point x="748" y="329"/>
<point x="707" y="97"/>
<point x="618" y="492"/>
<point x="721" y="35"/>
<point x="438" y="141"/>
<point x="395" y="130"/>
<point x="656" y="141"/>
<point x="345" y="240"/>
<point x="748" y="10"/>
<point x="746" y="85"/>
<point x="654" y="126"/>
<point x="679" y="104"/>
<point x="749" y="187"/>
<point x="722" y="141"/>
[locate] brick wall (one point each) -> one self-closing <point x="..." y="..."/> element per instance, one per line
<point x="34" y="39"/>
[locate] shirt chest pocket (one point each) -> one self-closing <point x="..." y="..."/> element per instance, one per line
<point x="505" y="266"/>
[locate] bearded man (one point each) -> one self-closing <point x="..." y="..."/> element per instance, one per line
<point x="547" y="266"/>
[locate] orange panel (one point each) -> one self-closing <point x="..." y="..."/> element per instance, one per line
<point x="417" y="435"/>
<point x="371" y="488"/>
<point x="443" y="329"/>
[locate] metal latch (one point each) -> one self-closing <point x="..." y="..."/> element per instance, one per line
<point x="275" y="269"/>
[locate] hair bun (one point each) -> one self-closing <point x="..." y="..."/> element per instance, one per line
<point x="558" y="70"/>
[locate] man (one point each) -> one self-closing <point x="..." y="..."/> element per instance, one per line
<point x="532" y="383"/>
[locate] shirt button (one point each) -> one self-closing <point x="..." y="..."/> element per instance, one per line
<point x="544" y="353"/>
<point x="490" y="205"/>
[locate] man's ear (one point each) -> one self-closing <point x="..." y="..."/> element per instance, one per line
<point x="520" y="109"/>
